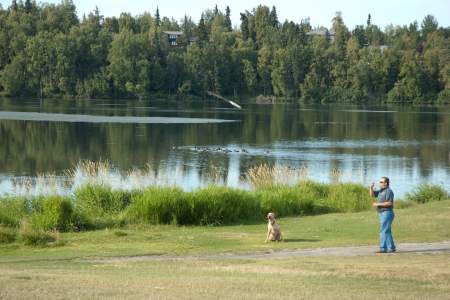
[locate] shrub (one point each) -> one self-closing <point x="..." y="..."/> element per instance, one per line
<point x="7" y="235"/>
<point x="37" y="238"/>
<point x="100" y="199"/>
<point x="98" y="206"/>
<point x="210" y="206"/>
<point x="348" y="197"/>
<point x="427" y="193"/>
<point x="310" y="198"/>
<point x="318" y="193"/>
<point x="12" y="210"/>
<point x="158" y="205"/>
<point x="216" y="205"/>
<point x="52" y="213"/>
<point x="404" y="204"/>
<point x="306" y="198"/>
<point x="444" y="97"/>
<point x="284" y="201"/>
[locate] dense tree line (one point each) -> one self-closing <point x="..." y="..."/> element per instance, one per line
<point x="46" y="50"/>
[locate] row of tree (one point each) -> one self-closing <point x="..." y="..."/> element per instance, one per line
<point x="45" y="50"/>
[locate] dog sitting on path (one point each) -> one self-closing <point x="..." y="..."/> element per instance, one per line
<point x="273" y="229"/>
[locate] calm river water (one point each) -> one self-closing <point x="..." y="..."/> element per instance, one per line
<point x="183" y="142"/>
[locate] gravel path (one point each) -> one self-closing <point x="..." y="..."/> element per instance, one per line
<point x="438" y="247"/>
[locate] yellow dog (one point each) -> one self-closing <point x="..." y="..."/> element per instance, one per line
<point x="273" y="229"/>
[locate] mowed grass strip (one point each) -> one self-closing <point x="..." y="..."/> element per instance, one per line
<point x="408" y="276"/>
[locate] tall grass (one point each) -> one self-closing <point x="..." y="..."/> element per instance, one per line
<point x="263" y="176"/>
<point x="7" y="235"/>
<point x="95" y="206"/>
<point x="100" y="206"/>
<point x="287" y="201"/>
<point x="348" y="197"/>
<point x="53" y="213"/>
<point x="216" y="205"/>
<point x="426" y="193"/>
<point x="37" y="237"/>
<point x="310" y="198"/>
<point x="12" y="211"/>
<point x="158" y="205"/>
<point x="213" y="205"/>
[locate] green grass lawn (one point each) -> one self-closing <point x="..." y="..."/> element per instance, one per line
<point x="405" y="276"/>
<point x="422" y="223"/>
<point x="67" y="271"/>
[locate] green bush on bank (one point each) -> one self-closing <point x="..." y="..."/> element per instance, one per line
<point x="427" y="193"/>
<point x="213" y="205"/>
<point x="310" y="198"/>
<point x="101" y="199"/>
<point x="53" y="213"/>
<point x="217" y="205"/>
<point x="444" y="97"/>
<point x="158" y="205"/>
<point x="99" y="206"/>
<point x="7" y="235"/>
<point x="287" y="201"/>
<point x="348" y="197"/>
<point x="37" y="237"/>
<point x="12" y="211"/>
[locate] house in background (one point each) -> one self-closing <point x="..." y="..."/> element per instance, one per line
<point x="322" y="31"/>
<point x="174" y="38"/>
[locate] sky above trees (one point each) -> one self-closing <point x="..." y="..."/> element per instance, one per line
<point x="320" y="12"/>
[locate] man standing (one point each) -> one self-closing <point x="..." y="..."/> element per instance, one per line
<point x="385" y="207"/>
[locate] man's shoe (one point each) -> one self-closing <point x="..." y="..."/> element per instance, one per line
<point x="392" y="251"/>
<point x="381" y="251"/>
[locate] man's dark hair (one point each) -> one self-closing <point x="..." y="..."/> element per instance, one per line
<point x="386" y="179"/>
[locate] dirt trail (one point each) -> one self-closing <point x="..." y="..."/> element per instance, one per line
<point x="404" y="248"/>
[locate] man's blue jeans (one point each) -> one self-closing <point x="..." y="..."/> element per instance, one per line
<point x="386" y="240"/>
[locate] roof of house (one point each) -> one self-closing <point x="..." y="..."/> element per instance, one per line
<point x="321" y="31"/>
<point x="381" y="47"/>
<point x="173" y="32"/>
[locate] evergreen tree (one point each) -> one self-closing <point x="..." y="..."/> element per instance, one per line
<point x="360" y="34"/>
<point x="227" y="23"/>
<point x="264" y="68"/>
<point x="202" y="31"/>
<point x="14" y="6"/>
<point x="187" y="28"/>
<point x="429" y="25"/>
<point x="274" y="17"/>
<point x="157" y="18"/>
<point x="244" y="27"/>
<point x="28" y="6"/>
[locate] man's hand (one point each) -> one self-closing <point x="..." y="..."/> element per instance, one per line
<point x="371" y="193"/>
<point x="375" y="204"/>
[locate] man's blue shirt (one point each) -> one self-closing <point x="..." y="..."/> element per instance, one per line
<point x="384" y="195"/>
